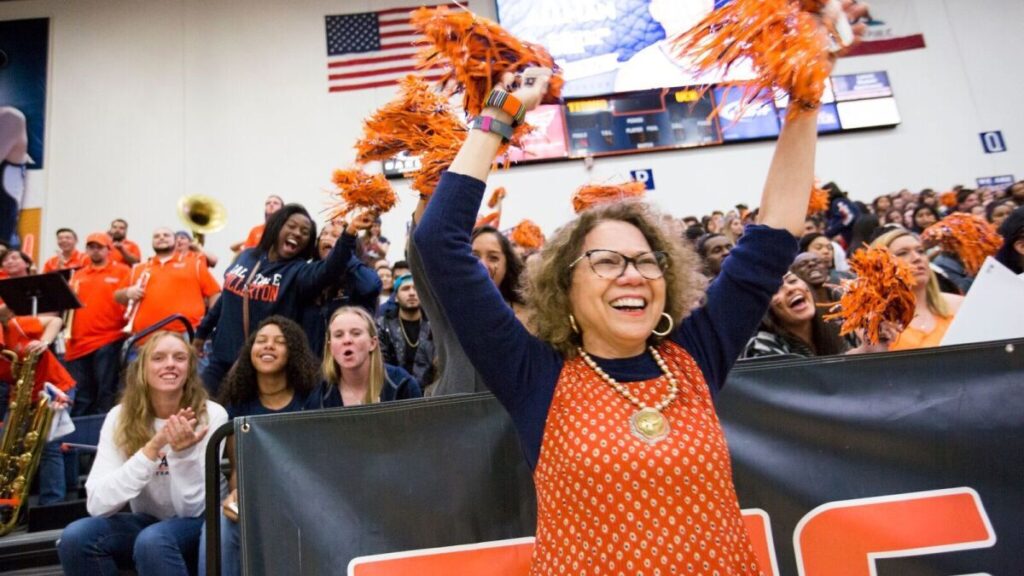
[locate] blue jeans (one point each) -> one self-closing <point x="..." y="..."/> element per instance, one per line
<point x="103" y="546"/>
<point x="98" y="378"/>
<point x="230" y="548"/>
<point x="58" y="471"/>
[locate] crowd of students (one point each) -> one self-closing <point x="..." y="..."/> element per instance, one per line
<point x="310" y="321"/>
<point x="305" y="320"/>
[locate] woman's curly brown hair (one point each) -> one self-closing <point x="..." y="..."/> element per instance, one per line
<point x="548" y="281"/>
<point x="302" y="371"/>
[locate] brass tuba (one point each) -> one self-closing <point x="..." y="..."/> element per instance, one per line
<point x="202" y="214"/>
<point x="25" y="431"/>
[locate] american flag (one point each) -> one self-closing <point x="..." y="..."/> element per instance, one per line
<point x="372" y="49"/>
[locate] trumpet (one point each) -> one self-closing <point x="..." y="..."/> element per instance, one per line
<point x="132" y="309"/>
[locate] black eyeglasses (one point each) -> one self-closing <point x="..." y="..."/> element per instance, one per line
<point x="609" y="264"/>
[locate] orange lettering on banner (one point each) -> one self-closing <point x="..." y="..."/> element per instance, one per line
<point x="502" y="558"/>
<point x="759" y="527"/>
<point x="845" y="538"/>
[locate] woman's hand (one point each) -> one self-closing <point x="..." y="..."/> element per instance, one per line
<point x="37" y="346"/>
<point x="181" y="430"/>
<point x="888" y="332"/>
<point x="529" y="87"/>
<point x="230" y="506"/>
<point x="359" y="222"/>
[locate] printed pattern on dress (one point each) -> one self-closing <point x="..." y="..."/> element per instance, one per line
<point x="608" y="503"/>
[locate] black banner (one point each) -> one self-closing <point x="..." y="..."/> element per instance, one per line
<point x="907" y="464"/>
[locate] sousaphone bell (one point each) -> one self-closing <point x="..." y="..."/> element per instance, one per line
<point x="202" y="215"/>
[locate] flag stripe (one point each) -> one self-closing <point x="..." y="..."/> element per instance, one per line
<point x="377" y="71"/>
<point x="375" y="60"/>
<point x="378" y="84"/>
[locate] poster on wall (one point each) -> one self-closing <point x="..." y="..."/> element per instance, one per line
<point x="24" y="46"/>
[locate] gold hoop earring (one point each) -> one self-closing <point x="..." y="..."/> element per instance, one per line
<point x="572" y="323"/>
<point x="671" y="324"/>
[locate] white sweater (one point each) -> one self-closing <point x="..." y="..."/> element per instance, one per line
<point x="173" y="486"/>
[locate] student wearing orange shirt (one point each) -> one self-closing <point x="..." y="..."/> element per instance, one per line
<point x="26" y="335"/>
<point x="68" y="255"/>
<point x="178" y="283"/>
<point x="124" y="250"/>
<point x="96" y="335"/>
<point x="272" y="204"/>
<point x="183" y="244"/>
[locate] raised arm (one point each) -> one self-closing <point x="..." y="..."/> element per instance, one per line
<point x="317" y="275"/>
<point x="507" y="357"/>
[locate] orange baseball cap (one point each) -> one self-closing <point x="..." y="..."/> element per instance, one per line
<point x="98" y="238"/>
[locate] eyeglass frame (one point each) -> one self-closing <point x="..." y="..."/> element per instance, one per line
<point x="659" y="256"/>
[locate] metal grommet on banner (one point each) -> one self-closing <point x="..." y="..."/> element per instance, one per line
<point x="245" y="426"/>
<point x="1009" y="348"/>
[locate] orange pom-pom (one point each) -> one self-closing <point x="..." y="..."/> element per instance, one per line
<point x="948" y="199"/>
<point x="593" y="194"/>
<point x="436" y="160"/>
<point x="496" y="197"/>
<point x="493" y="220"/>
<point x="408" y="123"/>
<point x="476" y="53"/>
<point x="527" y="235"/>
<point x="883" y="291"/>
<point x="357" y="189"/>
<point x="970" y="237"/>
<point x="819" y="200"/>
<point x="785" y="44"/>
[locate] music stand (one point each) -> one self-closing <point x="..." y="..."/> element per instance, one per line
<point x="30" y="295"/>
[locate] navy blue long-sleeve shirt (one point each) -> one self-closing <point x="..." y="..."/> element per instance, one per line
<point x="280" y="287"/>
<point x="522" y="370"/>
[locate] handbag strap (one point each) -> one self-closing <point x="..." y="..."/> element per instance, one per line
<point x="245" y="299"/>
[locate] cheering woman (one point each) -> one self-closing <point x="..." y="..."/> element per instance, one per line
<point x="277" y="277"/>
<point x="612" y="399"/>
<point x="150" y="457"/>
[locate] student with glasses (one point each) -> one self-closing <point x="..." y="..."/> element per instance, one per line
<point x="612" y="393"/>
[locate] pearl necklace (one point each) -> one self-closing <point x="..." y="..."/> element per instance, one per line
<point x="647" y="423"/>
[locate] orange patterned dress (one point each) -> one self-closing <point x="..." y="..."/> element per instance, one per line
<point x="609" y="503"/>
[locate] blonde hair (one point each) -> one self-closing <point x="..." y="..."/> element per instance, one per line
<point x="330" y="368"/>
<point x="135" y="426"/>
<point x="933" y="294"/>
<point x="549" y="280"/>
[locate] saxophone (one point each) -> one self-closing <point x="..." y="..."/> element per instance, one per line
<point x="25" y="431"/>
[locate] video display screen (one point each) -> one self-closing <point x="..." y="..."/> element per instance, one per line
<point x="861" y="86"/>
<point x="654" y="119"/>
<point x="755" y="120"/>
<point x="612" y="46"/>
<point x="548" y="137"/>
<point x="868" y="113"/>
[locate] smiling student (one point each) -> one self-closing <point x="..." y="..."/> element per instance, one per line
<point x="274" y="375"/>
<point x="151" y="457"/>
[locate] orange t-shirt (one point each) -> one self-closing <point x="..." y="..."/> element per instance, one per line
<point x="253" y="240"/>
<point x="912" y="338"/>
<point x="18" y="332"/>
<point x="179" y="285"/>
<point x="100" y="319"/>
<point x="131" y="247"/>
<point x="76" y="260"/>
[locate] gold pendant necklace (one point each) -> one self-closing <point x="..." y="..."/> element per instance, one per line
<point x="647" y="424"/>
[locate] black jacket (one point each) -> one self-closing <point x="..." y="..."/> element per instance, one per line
<point x="392" y="346"/>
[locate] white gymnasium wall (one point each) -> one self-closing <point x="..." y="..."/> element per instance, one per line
<point x="151" y="100"/>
